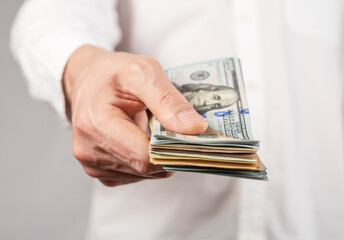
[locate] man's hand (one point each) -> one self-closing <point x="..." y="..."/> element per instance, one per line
<point x="107" y="94"/>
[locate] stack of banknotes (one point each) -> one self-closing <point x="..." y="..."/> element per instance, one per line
<point x="216" y="90"/>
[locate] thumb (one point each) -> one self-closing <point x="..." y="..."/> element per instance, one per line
<point x="169" y="106"/>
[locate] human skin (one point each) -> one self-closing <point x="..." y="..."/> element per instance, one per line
<point x="107" y="94"/>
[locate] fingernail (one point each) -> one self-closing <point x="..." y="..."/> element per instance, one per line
<point x="190" y="116"/>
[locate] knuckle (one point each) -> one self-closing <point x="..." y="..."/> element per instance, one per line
<point x="168" y="174"/>
<point x="81" y="126"/>
<point x="80" y="154"/>
<point x="139" y="162"/>
<point x="103" y="163"/>
<point x="89" y="158"/>
<point x="168" y="97"/>
<point x="108" y="183"/>
<point x="147" y="63"/>
<point x="92" y="172"/>
<point x="143" y="67"/>
<point x="142" y="167"/>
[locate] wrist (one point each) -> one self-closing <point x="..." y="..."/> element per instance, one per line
<point x="75" y="73"/>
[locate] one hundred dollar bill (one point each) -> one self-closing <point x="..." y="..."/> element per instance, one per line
<point x="216" y="90"/>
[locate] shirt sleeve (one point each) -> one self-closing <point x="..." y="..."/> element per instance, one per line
<point x="46" y="32"/>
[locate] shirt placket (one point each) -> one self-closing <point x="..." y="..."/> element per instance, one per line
<point x="246" y="35"/>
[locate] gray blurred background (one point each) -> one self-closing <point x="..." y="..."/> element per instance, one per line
<point x="44" y="193"/>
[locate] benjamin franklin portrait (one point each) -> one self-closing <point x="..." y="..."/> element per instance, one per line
<point x="206" y="97"/>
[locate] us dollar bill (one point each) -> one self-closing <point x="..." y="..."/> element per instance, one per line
<point x="216" y="90"/>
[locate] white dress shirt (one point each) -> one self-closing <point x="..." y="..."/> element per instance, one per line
<point x="292" y="58"/>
